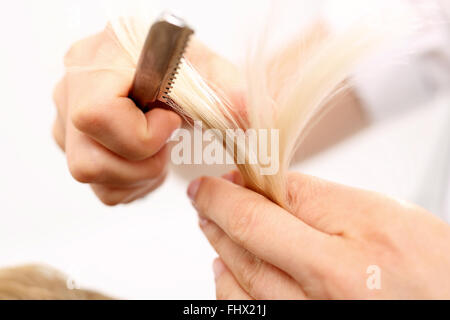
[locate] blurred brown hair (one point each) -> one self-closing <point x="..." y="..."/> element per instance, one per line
<point x="37" y="282"/>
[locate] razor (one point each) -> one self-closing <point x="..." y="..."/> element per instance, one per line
<point x="159" y="61"/>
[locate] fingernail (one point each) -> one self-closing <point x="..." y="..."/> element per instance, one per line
<point x="230" y="176"/>
<point x="193" y="188"/>
<point x="218" y="268"/>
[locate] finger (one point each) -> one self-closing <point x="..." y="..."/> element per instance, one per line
<point x="154" y="184"/>
<point x="90" y="162"/>
<point x="312" y="199"/>
<point x="59" y="134"/>
<point x="60" y="99"/>
<point x="261" y="280"/>
<point x="234" y="177"/>
<point x="112" y="119"/>
<point x="331" y="207"/>
<point x="227" y="287"/>
<point x="248" y="218"/>
<point x="112" y="196"/>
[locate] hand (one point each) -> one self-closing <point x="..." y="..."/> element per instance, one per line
<point x="336" y="243"/>
<point x="109" y="142"/>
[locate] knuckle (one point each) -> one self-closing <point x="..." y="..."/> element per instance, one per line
<point x="145" y="145"/>
<point x="89" y="117"/>
<point x="58" y="134"/>
<point x="252" y="273"/>
<point x="221" y="293"/>
<point x="85" y="171"/>
<point x="55" y="131"/>
<point x="138" y="151"/>
<point x="56" y="95"/>
<point x="72" y="53"/>
<point x="107" y="195"/>
<point x="86" y="118"/>
<point x="215" y="237"/>
<point x="108" y="200"/>
<point x="158" y="167"/>
<point x="157" y="162"/>
<point x="243" y="219"/>
<point x="161" y="160"/>
<point x="69" y="53"/>
<point x="304" y="189"/>
<point x="333" y="281"/>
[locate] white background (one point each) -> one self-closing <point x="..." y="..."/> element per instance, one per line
<point x="153" y="248"/>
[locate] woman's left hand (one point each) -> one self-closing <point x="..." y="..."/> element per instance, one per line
<point x="336" y="243"/>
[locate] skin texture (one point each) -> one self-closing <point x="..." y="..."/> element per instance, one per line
<point x="324" y="246"/>
<point x="109" y="143"/>
<point x="321" y="248"/>
<point x="121" y="152"/>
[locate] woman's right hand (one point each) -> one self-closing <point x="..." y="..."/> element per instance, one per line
<point x="109" y="143"/>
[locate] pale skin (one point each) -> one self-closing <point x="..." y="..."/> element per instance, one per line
<point x="109" y="143"/>
<point x="321" y="248"/>
<point x="119" y="151"/>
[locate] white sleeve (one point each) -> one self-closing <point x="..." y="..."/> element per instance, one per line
<point x="413" y="71"/>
